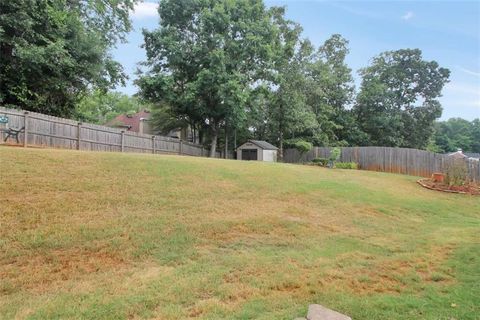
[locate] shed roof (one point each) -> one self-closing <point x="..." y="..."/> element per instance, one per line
<point x="263" y="144"/>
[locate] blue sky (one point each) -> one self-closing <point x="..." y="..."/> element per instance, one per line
<point x="446" y="31"/>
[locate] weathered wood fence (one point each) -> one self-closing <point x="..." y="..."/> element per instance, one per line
<point x="48" y="131"/>
<point x="395" y="160"/>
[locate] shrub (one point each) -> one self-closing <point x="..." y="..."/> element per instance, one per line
<point x="456" y="172"/>
<point x="335" y="154"/>
<point x="301" y="145"/>
<point x="320" y="161"/>
<point x="346" y="165"/>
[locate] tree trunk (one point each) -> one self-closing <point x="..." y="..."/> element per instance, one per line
<point x="280" y="131"/>
<point x="280" y="151"/>
<point x="226" y="142"/>
<point x="201" y="138"/>
<point x="280" y="147"/>
<point x="235" y="139"/>
<point x="213" y="147"/>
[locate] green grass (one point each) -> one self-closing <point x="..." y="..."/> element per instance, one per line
<point x="113" y="236"/>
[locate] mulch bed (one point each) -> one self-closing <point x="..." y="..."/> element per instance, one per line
<point x="438" y="186"/>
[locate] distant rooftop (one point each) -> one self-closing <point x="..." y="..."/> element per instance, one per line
<point x="263" y="144"/>
<point x="472" y="155"/>
<point x="130" y="121"/>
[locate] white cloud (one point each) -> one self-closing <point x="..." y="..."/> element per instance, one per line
<point x="407" y="16"/>
<point x="463" y="88"/>
<point x="353" y="10"/>
<point x="470" y="72"/>
<point x="145" y="10"/>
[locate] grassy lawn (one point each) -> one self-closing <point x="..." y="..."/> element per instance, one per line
<point x="113" y="236"/>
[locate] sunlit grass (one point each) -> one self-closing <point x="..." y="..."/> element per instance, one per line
<point x="109" y="235"/>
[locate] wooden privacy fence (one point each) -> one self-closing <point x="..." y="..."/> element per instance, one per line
<point x="395" y="160"/>
<point x="48" y="131"/>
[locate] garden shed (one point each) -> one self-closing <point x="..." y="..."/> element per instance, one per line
<point x="257" y="150"/>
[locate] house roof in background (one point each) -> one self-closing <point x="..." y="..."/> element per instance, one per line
<point x="131" y="121"/>
<point x="263" y="144"/>
<point x="472" y="155"/>
<point x="457" y="154"/>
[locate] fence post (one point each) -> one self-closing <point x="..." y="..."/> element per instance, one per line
<point x="122" y="143"/>
<point x="25" y="130"/>
<point x="180" y="147"/>
<point x="153" y="144"/>
<point x="79" y="135"/>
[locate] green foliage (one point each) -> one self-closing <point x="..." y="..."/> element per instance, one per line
<point x="164" y="120"/>
<point x="288" y="110"/>
<point x="51" y="52"/>
<point x="398" y="100"/>
<point x="301" y="145"/>
<point x="321" y="161"/>
<point x="331" y="160"/>
<point x="100" y="107"/>
<point x="331" y="91"/>
<point x="207" y="80"/>
<point x="205" y="58"/>
<point x="223" y="65"/>
<point x="457" y="133"/>
<point x="346" y="165"/>
<point x="313" y="90"/>
<point x="335" y="154"/>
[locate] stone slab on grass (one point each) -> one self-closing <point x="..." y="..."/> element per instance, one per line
<point x="318" y="312"/>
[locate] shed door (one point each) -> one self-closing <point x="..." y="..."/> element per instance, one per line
<point x="249" y="154"/>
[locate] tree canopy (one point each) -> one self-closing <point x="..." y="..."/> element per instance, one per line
<point x="100" y="107"/>
<point x="456" y="133"/>
<point x="235" y="65"/>
<point x="398" y="99"/>
<point x="206" y="57"/>
<point x="51" y="52"/>
<point x="223" y="68"/>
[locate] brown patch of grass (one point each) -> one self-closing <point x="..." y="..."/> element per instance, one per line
<point x="39" y="272"/>
<point x="391" y="276"/>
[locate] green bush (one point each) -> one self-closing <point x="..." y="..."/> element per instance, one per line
<point x="346" y="165"/>
<point x="301" y="145"/>
<point x="335" y="154"/>
<point x="320" y="161"/>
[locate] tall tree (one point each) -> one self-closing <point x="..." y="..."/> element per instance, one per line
<point x="398" y="100"/>
<point x="52" y="51"/>
<point x="331" y="91"/>
<point x="206" y="57"/>
<point x="288" y="112"/>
